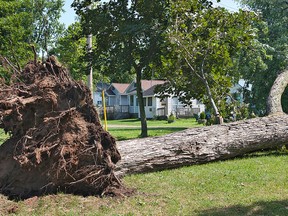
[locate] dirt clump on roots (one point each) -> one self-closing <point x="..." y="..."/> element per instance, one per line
<point x="57" y="142"/>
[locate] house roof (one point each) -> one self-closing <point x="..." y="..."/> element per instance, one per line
<point x="148" y="87"/>
<point x="110" y="92"/>
<point x="147" y="84"/>
<point x="120" y="87"/>
<point x="102" y="86"/>
<point x="150" y="91"/>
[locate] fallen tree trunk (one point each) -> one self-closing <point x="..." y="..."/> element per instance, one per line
<point x="202" y="145"/>
<point x="205" y="144"/>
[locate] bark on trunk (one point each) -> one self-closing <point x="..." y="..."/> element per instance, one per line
<point x="144" y="130"/>
<point x="278" y="88"/>
<point x="202" y="145"/>
<point x="205" y="144"/>
<point x="219" y="119"/>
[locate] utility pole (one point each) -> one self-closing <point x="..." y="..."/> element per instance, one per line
<point x="90" y="69"/>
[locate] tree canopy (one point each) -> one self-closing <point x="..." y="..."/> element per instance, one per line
<point x="24" y="23"/>
<point x="71" y="50"/>
<point x="46" y="25"/>
<point x="15" y="32"/>
<point x="203" y="43"/>
<point x="275" y="44"/>
<point x="129" y="37"/>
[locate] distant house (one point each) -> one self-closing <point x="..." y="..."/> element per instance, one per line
<point x="151" y="102"/>
<point x="122" y="101"/>
<point x="116" y="94"/>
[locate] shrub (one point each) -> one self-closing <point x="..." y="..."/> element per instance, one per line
<point x="202" y="115"/>
<point x="171" y="118"/>
<point x="196" y="116"/>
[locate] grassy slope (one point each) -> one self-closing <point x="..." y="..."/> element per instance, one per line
<point x="247" y="186"/>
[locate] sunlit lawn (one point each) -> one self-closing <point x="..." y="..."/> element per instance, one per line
<point x="132" y="133"/>
<point x="130" y="128"/>
<point x="189" y="122"/>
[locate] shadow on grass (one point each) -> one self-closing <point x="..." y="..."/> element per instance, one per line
<point x="279" y="208"/>
<point x="265" y="153"/>
<point x="129" y="120"/>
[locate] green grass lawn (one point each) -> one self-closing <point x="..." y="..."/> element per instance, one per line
<point x="130" y="128"/>
<point x="132" y="133"/>
<point x="254" y="185"/>
<point x="189" y="122"/>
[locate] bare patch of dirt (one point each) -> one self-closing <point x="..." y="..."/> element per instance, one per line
<point x="57" y="142"/>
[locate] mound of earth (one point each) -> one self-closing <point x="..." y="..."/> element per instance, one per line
<point x="57" y="142"/>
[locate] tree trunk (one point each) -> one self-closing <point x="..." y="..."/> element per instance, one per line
<point x="205" y="144"/>
<point x="90" y="68"/>
<point x="202" y="145"/>
<point x="144" y="129"/>
<point x="209" y="93"/>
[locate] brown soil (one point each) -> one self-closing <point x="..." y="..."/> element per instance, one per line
<point x="57" y="142"/>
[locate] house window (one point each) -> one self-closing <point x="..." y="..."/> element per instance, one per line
<point x="136" y="101"/>
<point x="149" y="101"/>
<point x="144" y="101"/>
<point x="131" y="100"/>
<point x="99" y="103"/>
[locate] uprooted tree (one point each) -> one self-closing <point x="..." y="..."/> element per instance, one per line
<point x="57" y="142"/>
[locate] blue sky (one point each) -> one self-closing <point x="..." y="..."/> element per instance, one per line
<point x="69" y="16"/>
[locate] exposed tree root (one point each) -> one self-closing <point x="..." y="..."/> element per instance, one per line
<point x="57" y="142"/>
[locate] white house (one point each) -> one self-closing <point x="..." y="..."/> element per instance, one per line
<point x="97" y="94"/>
<point x="122" y="97"/>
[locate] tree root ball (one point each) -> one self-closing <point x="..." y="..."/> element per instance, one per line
<point x="57" y="142"/>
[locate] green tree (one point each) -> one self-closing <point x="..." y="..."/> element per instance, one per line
<point x="70" y="49"/>
<point x="275" y="44"/>
<point x="15" y="32"/>
<point x="27" y="22"/>
<point x="46" y="25"/>
<point x="204" y="42"/>
<point x="129" y="37"/>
